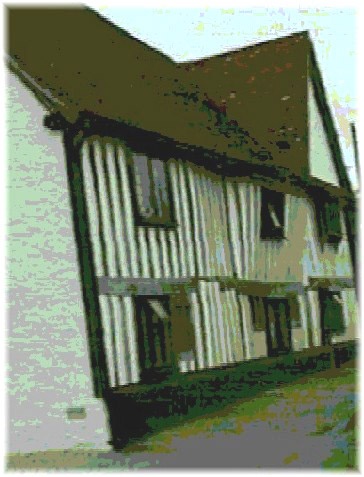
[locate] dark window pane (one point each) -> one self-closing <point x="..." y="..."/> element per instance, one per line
<point x="332" y="312"/>
<point x="272" y="214"/>
<point x="328" y="220"/>
<point x="152" y="198"/>
<point x="279" y="326"/>
<point x="143" y="187"/>
<point x="153" y="324"/>
<point x="160" y="188"/>
<point x="332" y="212"/>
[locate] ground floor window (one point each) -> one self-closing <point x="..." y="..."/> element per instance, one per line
<point x="275" y="316"/>
<point x="332" y="317"/>
<point x="165" y="333"/>
<point x="154" y="337"/>
<point x="278" y="326"/>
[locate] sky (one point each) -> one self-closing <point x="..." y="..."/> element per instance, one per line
<point x="190" y="33"/>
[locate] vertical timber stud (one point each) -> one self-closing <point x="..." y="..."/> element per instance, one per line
<point x="72" y="143"/>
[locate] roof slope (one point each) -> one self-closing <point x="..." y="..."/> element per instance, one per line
<point x="264" y="87"/>
<point x="78" y="62"/>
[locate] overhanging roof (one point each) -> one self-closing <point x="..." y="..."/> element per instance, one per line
<point x="77" y="62"/>
<point x="80" y="62"/>
<point x="264" y="87"/>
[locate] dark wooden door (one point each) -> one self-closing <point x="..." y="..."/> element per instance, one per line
<point x="279" y="340"/>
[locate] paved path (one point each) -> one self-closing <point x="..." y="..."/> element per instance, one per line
<point x="297" y="430"/>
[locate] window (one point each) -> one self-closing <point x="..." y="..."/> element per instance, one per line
<point x="165" y="332"/>
<point x="329" y="223"/>
<point x="332" y="320"/>
<point x="152" y="198"/>
<point x="154" y="337"/>
<point x="279" y="340"/>
<point x="275" y="316"/>
<point x="259" y="318"/>
<point x="272" y="215"/>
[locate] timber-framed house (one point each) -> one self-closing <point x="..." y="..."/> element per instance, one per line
<point x="212" y="212"/>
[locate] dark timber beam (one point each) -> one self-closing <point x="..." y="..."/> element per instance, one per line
<point x="255" y="169"/>
<point x="330" y="282"/>
<point x="165" y="286"/>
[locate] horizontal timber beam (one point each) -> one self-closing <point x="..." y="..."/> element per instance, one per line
<point x="148" y="286"/>
<point x="255" y="169"/>
<point x="332" y="283"/>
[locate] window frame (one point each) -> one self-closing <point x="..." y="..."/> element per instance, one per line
<point x="326" y="232"/>
<point x="259" y="319"/>
<point x="270" y="200"/>
<point x="270" y="306"/>
<point x="168" y="220"/>
<point x="148" y="373"/>
<point x="328" y="332"/>
<point x="178" y="334"/>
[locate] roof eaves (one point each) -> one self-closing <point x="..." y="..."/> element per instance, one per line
<point x="50" y="102"/>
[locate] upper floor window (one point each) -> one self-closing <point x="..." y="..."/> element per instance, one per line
<point x="272" y="215"/>
<point x="329" y="223"/>
<point x="152" y="198"/>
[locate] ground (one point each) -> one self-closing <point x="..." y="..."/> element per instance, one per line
<point x="307" y="424"/>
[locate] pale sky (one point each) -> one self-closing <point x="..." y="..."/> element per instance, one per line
<point x="186" y="33"/>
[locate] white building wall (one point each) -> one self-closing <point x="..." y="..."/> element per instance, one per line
<point x="320" y="159"/>
<point x="48" y="363"/>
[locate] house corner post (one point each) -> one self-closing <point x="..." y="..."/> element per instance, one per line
<point x="73" y="139"/>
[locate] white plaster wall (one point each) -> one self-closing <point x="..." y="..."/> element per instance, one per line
<point x="320" y="161"/>
<point x="48" y="362"/>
